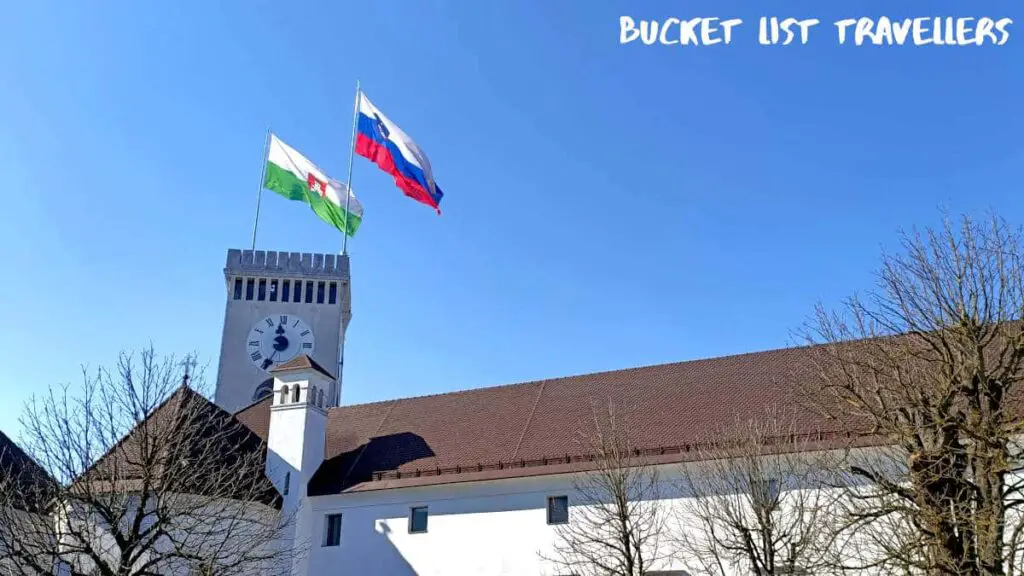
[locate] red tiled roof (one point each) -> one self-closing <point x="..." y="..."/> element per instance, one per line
<point x="300" y="362"/>
<point x="504" y="431"/>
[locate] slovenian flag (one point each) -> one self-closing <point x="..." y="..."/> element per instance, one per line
<point x="384" y="143"/>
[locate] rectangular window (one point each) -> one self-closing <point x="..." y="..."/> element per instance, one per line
<point x="287" y="482"/>
<point x="418" y="519"/>
<point x="309" y="292"/>
<point x="285" y="285"/>
<point x="273" y="290"/>
<point x="249" y="284"/>
<point x="262" y="292"/>
<point x="558" y="509"/>
<point x="298" y="291"/>
<point x="320" y="292"/>
<point x="238" y="288"/>
<point x="332" y="530"/>
<point x="333" y="294"/>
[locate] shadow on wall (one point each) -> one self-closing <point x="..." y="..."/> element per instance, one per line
<point x="380" y="454"/>
<point x="384" y="556"/>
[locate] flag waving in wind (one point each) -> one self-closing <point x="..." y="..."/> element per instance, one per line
<point x="289" y="174"/>
<point x="384" y="143"/>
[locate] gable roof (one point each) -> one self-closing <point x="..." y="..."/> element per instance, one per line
<point x="198" y="432"/>
<point x="301" y="362"/>
<point x="534" y="427"/>
<point x="31" y="481"/>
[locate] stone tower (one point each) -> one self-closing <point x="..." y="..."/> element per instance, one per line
<point x="280" y="305"/>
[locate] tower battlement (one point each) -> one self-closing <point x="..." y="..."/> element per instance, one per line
<point x="271" y="263"/>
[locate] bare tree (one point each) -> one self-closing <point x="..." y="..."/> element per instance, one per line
<point x="755" y="500"/>
<point x="616" y="521"/>
<point x="933" y="375"/>
<point x="152" y="478"/>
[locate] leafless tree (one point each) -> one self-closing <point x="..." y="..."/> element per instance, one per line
<point x="152" y="478"/>
<point x="755" y="501"/>
<point x="933" y="376"/>
<point x="616" y="521"/>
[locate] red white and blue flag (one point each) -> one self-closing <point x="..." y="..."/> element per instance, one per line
<point x="384" y="143"/>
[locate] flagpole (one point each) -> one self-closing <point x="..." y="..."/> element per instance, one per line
<point x="348" y="182"/>
<point x="259" y="192"/>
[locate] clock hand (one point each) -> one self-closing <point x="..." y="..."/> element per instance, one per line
<point x="267" y="362"/>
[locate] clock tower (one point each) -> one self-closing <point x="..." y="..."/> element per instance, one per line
<point x="280" y="305"/>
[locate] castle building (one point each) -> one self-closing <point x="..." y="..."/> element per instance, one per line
<point x="473" y="482"/>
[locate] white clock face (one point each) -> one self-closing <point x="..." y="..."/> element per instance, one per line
<point x="277" y="339"/>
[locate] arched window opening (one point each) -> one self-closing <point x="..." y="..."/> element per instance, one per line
<point x="295" y="393"/>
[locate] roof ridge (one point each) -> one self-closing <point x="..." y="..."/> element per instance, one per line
<point x="368" y="440"/>
<point x="529" y="419"/>
<point x="578" y="375"/>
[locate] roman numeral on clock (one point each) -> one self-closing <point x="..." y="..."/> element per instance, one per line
<point x="304" y="332"/>
<point x="270" y="322"/>
<point x="254" y="342"/>
<point x="307" y="345"/>
<point x="284" y="319"/>
<point x="255" y="356"/>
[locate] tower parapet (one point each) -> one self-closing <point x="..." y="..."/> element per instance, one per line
<point x="272" y="263"/>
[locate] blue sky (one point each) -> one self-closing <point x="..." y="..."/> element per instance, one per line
<point x="606" y="206"/>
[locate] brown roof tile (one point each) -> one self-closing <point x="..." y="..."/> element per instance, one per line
<point x="301" y="362"/>
<point x="509" y="430"/>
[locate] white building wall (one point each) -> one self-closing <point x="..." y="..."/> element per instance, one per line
<point x="494" y="528"/>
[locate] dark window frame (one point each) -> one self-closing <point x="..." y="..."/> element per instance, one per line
<point x="261" y="290"/>
<point x="287" y="482"/>
<point x="332" y="293"/>
<point x="412" y="519"/>
<point x="309" y="291"/>
<point x="321" y="289"/>
<point x="550" y="508"/>
<point x="332" y="530"/>
<point x="250" y="288"/>
<point x="285" y="290"/>
<point x="237" y="292"/>
<point x="273" y="290"/>
<point x="298" y="291"/>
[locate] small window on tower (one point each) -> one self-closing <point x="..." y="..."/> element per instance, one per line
<point x="298" y="291"/>
<point x="238" y="288"/>
<point x="333" y="295"/>
<point x="249" y="285"/>
<point x="309" y="292"/>
<point x="262" y="292"/>
<point x="273" y="290"/>
<point x="287" y="482"/>
<point x="285" y="285"/>
<point x="320" y="292"/>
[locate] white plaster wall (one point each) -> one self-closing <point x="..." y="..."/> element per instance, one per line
<point x="486" y="528"/>
<point x="496" y="528"/>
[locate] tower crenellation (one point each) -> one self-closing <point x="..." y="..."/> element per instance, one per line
<point x="255" y="262"/>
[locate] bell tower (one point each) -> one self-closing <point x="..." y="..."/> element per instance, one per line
<point x="280" y="305"/>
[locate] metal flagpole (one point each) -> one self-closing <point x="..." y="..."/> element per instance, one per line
<point x="259" y="192"/>
<point x="351" y="157"/>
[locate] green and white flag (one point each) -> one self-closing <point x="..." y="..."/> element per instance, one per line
<point x="292" y="176"/>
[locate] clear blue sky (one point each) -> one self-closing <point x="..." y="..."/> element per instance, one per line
<point x="606" y="206"/>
